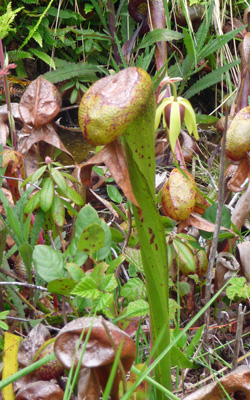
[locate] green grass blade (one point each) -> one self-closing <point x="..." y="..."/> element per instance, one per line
<point x="209" y="80"/>
<point x="202" y="32"/>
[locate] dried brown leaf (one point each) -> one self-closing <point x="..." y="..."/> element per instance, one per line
<point x="200" y="223"/>
<point x="112" y="155"/>
<point x="45" y="134"/>
<point x="235" y="381"/>
<point x="240" y="176"/>
<point x="29" y="346"/>
<point x="40" y="103"/>
<point x="40" y="391"/>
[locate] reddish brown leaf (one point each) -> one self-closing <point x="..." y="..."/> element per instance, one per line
<point x="240" y="176"/>
<point x="29" y="346"/>
<point x="201" y="223"/>
<point x="238" y="380"/>
<point x="40" y="103"/>
<point x="112" y="155"/>
<point x="46" y="134"/>
<point x="40" y="391"/>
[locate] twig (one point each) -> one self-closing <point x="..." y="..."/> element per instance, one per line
<point x="241" y="314"/>
<point x="213" y="250"/>
<point x="24" y="284"/>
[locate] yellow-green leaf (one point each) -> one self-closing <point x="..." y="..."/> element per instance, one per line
<point x="10" y="364"/>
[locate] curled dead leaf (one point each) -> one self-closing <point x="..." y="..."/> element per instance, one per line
<point x="235" y="184"/>
<point x="45" y="134"/>
<point x="40" y="103"/>
<point x="238" y="380"/>
<point x="112" y="155"/>
<point x="29" y="346"/>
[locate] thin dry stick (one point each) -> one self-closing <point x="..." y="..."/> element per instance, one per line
<point x="241" y="314"/>
<point x="213" y="250"/>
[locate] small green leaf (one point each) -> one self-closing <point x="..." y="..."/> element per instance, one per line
<point x="4" y="314"/>
<point x="115" y="263"/>
<point x="86" y="288"/>
<point x="46" y="195"/>
<point x="15" y="225"/>
<point x="48" y="263"/>
<point x="61" y="286"/>
<point x="33" y="203"/>
<point x="58" y="211"/>
<point x="190" y="349"/>
<point x="3" y="326"/>
<point x="173" y="307"/>
<point x="86" y="216"/>
<point x="184" y="288"/>
<point x="72" y="195"/>
<point x="92" y="239"/>
<point x="37" y="175"/>
<point x="205" y="119"/>
<point x="26" y="253"/>
<point x="108" y="283"/>
<point x="178" y="358"/>
<point x="114" y="194"/>
<point x="134" y="289"/>
<point x="75" y="271"/>
<point x="238" y="289"/>
<point x="138" y="308"/>
<point x="59" y="179"/>
<point x="104" y="300"/>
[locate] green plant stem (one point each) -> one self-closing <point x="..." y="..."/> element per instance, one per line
<point x="150" y="232"/>
<point x="7" y="98"/>
<point x="26" y="370"/>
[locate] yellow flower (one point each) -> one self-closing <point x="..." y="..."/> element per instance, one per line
<point x="175" y="110"/>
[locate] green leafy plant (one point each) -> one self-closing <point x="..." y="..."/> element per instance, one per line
<point x="238" y="289"/>
<point x="3" y="316"/>
<point x="198" y="47"/>
<point x="53" y="187"/>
